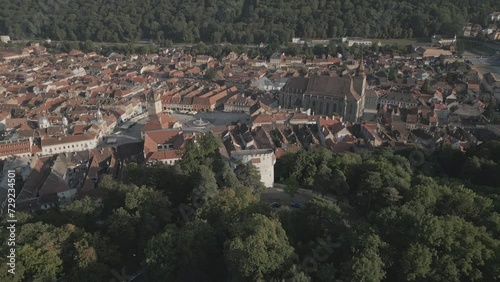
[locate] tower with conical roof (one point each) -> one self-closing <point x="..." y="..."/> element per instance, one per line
<point x="153" y="103"/>
<point x="98" y="114"/>
<point x="360" y="71"/>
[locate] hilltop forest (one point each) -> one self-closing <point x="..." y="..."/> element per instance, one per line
<point x="379" y="216"/>
<point x="236" y="21"/>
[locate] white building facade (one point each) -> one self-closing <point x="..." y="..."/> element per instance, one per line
<point x="262" y="159"/>
<point x="69" y="144"/>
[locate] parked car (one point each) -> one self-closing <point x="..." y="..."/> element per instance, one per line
<point x="275" y="205"/>
<point x="296" y="205"/>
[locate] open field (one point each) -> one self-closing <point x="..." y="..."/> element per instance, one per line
<point x="482" y="69"/>
<point x="402" y="41"/>
<point x="486" y="48"/>
<point x="483" y="62"/>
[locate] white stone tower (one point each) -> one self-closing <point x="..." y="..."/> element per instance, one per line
<point x="43" y="122"/>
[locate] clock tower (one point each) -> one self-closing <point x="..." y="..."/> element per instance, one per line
<point x="154" y="103"/>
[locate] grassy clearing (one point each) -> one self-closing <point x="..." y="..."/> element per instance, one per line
<point x="403" y="41"/>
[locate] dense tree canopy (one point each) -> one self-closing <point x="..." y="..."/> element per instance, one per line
<point x="411" y="223"/>
<point x="259" y="248"/>
<point x="240" y="21"/>
<point x="373" y="217"/>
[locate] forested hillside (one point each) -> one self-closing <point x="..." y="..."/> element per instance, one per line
<point x="237" y="21"/>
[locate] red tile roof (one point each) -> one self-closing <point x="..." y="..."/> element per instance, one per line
<point x="66" y="139"/>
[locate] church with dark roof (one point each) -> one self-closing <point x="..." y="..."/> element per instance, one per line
<point x="327" y="95"/>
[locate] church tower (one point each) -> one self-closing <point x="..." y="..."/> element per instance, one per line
<point x="360" y="79"/>
<point x="359" y="84"/>
<point x="154" y="104"/>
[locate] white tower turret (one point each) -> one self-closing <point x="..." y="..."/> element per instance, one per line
<point x="98" y="115"/>
<point x="43" y="122"/>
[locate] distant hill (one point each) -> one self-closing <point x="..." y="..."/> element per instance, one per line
<point x="237" y="21"/>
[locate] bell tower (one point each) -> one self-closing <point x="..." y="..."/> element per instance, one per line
<point x="360" y="79"/>
<point x="359" y="85"/>
<point x="154" y="103"/>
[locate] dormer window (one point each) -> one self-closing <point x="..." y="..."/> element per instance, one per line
<point x="167" y="146"/>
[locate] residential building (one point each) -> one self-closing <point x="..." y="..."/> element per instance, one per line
<point x="443" y="41"/>
<point x="370" y="133"/>
<point x="159" y="122"/>
<point x="22" y="147"/>
<point x="492" y="84"/>
<point x="433" y="52"/>
<point x="494" y="35"/>
<point x="298" y="40"/>
<point x="164" y="146"/>
<point x="4" y="38"/>
<point x="401" y="100"/>
<point x="68" y="143"/>
<point x="490" y="29"/>
<point x="275" y="61"/>
<point x="495" y="16"/>
<point x="240" y="103"/>
<point x="357" y="40"/>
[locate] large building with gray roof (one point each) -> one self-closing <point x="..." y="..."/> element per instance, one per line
<point x="326" y="95"/>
